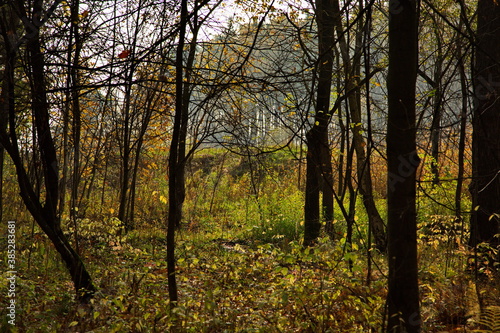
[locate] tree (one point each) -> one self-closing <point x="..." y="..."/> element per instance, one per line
<point x="485" y="186"/>
<point x="463" y="116"/>
<point x="44" y="209"/>
<point x="319" y="175"/>
<point x="402" y="163"/>
<point x="190" y="22"/>
<point x="352" y="71"/>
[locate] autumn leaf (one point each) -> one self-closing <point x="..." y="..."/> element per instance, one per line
<point x="124" y="54"/>
<point x="163" y="199"/>
<point x="84" y="14"/>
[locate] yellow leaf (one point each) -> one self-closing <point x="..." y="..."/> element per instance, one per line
<point x="163" y="199"/>
<point x="111" y="210"/>
<point x="73" y="323"/>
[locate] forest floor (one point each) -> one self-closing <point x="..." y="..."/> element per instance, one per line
<point x="240" y="263"/>
<point x="239" y="285"/>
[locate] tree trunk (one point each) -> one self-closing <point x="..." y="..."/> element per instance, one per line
<point x="312" y="223"/>
<point x="485" y="187"/>
<point x="76" y="112"/>
<point x="363" y="164"/>
<point x="46" y="214"/>
<point x="463" y="129"/>
<point x="126" y="150"/>
<point x="4" y="102"/>
<point x="2" y="154"/>
<point x="402" y="163"/>
<point x="437" y="111"/>
<point x="175" y="159"/>
<point x="319" y="175"/>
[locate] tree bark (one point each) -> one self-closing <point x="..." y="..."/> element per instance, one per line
<point x="176" y="159"/>
<point x="4" y="110"/>
<point x="363" y="163"/>
<point x="437" y="110"/>
<point x="402" y="163"/>
<point x="2" y="154"/>
<point x="126" y="151"/>
<point x="463" y="128"/>
<point x="76" y="112"/>
<point x="485" y="187"/>
<point x="319" y="175"/>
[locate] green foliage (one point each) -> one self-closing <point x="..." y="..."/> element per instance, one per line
<point x="98" y="233"/>
<point x="225" y="286"/>
<point x="241" y="266"/>
<point x="281" y="217"/>
<point x="242" y="198"/>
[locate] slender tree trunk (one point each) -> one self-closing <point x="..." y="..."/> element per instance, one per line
<point x="402" y="163"/>
<point x="436" y="112"/>
<point x="485" y="187"/>
<point x="312" y="223"/>
<point x="135" y="169"/>
<point x="7" y="23"/>
<point x="133" y="187"/>
<point x="148" y="112"/>
<point x="125" y="161"/>
<point x="65" y="149"/>
<point x="129" y="120"/>
<point x="319" y="176"/>
<point x="95" y="162"/>
<point x="463" y="129"/>
<point x="2" y="154"/>
<point x="46" y="213"/>
<point x="176" y="159"/>
<point x="185" y="95"/>
<point x="105" y="176"/>
<point x="4" y="102"/>
<point x="76" y="112"/>
<point x="363" y="163"/>
<point x="49" y="220"/>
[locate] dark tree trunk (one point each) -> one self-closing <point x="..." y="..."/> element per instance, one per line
<point x="4" y="111"/>
<point x="402" y="163"/>
<point x="2" y="154"/>
<point x="175" y="160"/>
<point x="319" y="167"/>
<point x="463" y="129"/>
<point x="437" y="112"/>
<point x="46" y="213"/>
<point x="65" y="149"/>
<point x="76" y="112"/>
<point x="140" y="140"/>
<point x="130" y="116"/>
<point x="485" y="187"/>
<point x="126" y="152"/>
<point x="312" y="223"/>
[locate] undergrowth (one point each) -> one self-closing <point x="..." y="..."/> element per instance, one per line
<point x="241" y="266"/>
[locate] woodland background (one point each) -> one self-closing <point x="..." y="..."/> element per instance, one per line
<point x="251" y="165"/>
